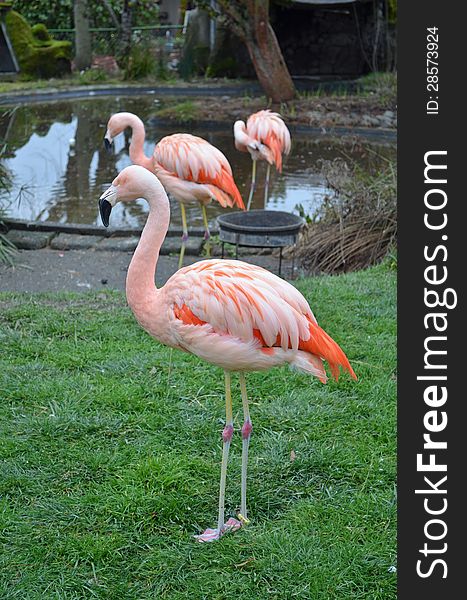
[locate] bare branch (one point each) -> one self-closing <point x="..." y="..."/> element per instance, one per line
<point x="111" y="12"/>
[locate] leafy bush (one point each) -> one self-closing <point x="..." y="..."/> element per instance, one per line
<point x="58" y="14"/>
<point x="91" y="76"/>
<point x="141" y="62"/>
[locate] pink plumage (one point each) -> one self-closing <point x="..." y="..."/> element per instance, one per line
<point x="231" y="314"/>
<point x="182" y="159"/>
<point x="265" y="136"/>
<point x="190" y="168"/>
<point x="241" y="317"/>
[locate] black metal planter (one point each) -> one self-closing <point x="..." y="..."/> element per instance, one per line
<point x="260" y="229"/>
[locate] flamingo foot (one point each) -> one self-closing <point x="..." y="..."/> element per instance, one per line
<point x="211" y="535"/>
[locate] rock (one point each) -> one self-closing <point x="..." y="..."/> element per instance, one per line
<point x="123" y="244"/>
<point x="369" y="121"/>
<point x="387" y="119"/>
<point x="314" y="117"/>
<point x="108" y="64"/>
<point x="172" y="245"/>
<point x="29" y="240"/>
<point x="72" y="241"/>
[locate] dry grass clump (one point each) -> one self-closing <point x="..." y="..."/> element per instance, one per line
<point x="357" y="223"/>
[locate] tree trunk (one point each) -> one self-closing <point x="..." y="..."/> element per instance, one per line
<point x="269" y="64"/>
<point x="83" y="49"/>
<point x="125" y="39"/>
<point x="250" y="21"/>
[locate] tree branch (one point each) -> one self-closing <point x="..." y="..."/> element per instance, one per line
<point x="111" y="12"/>
<point x="239" y="22"/>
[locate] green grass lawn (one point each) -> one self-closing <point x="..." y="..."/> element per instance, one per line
<point x="110" y="459"/>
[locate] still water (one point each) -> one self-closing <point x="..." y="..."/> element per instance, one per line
<point x="59" y="167"/>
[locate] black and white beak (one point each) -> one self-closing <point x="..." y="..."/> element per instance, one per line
<point x="108" y="142"/>
<point x="106" y="202"/>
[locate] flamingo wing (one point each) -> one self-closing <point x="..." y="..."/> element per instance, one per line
<point x="251" y="304"/>
<point x="269" y="129"/>
<point x="193" y="159"/>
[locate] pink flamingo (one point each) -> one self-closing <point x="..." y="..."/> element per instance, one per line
<point x="237" y="316"/>
<point x="190" y="168"/>
<point x="266" y="137"/>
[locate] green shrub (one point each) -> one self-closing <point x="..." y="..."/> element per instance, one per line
<point x="91" y="76"/>
<point x="140" y="63"/>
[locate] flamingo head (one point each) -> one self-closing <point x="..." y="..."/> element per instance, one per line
<point x="116" y="124"/>
<point x="130" y="184"/>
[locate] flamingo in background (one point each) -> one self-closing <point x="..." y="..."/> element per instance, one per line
<point x="237" y="316"/>
<point x="266" y="137"/>
<point x="190" y="168"/>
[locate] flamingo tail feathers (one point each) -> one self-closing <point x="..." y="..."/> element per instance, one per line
<point x="275" y="146"/>
<point x="225" y="184"/>
<point x="322" y="345"/>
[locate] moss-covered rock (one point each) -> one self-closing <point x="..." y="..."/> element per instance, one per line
<point x="37" y="53"/>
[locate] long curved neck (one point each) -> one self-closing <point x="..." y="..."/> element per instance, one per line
<point x="242" y="139"/>
<point x="138" y="135"/>
<point x="140" y="281"/>
<point x="240" y="133"/>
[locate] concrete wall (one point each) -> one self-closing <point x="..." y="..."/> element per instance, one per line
<point x="170" y="12"/>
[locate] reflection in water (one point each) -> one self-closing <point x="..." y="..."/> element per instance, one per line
<point x="60" y="168"/>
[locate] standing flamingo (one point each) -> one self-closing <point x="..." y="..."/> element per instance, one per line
<point x="266" y="137"/>
<point x="190" y="168"/>
<point x="237" y="316"/>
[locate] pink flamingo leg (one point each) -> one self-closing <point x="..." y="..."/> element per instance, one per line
<point x="184" y="235"/>
<point x="266" y="185"/>
<point x="207" y="233"/>
<point x="253" y="185"/>
<point x="210" y="535"/>
<point x="246" y="434"/>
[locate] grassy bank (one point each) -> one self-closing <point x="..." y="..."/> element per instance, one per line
<point x="110" y="459"/>
<point x="370" y="105"/>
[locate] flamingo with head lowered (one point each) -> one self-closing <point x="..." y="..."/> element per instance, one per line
<point x="234" y="315"/>
<point x="266" y="137"/>
<point x="190" y="168"/>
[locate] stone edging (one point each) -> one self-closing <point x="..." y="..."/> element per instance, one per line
<point x="96" y="230"/>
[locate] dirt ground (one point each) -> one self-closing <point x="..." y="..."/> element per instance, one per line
<point x="314" y="111"/>
<point x="49" y="270"/>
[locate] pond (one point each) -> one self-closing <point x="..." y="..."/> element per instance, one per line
<point x="59" y="167"/>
